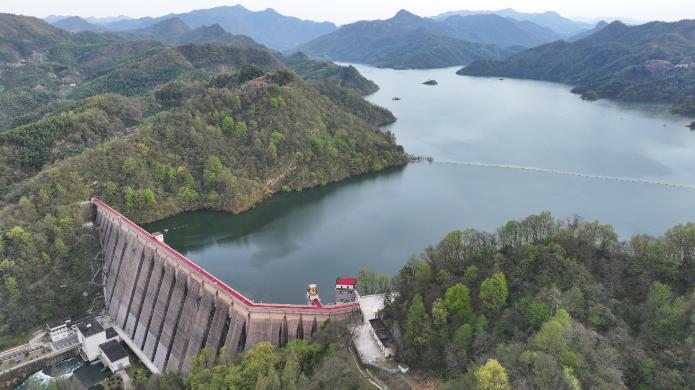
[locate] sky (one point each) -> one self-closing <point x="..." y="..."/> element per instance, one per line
<point x="346" y="11"/>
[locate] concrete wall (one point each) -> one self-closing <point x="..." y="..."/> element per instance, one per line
<point x="172" y="308"/>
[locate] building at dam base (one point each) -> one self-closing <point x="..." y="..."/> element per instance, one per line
<point x="172" y="309"/>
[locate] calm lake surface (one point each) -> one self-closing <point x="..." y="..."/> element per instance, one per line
<point x="503" y="149"/>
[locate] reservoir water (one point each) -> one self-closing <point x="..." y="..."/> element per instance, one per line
<point x="502" y="149"/>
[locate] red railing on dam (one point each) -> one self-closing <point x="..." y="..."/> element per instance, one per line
<point x="212" y="279"/>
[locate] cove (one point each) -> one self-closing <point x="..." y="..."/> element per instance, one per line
<point x="502" y="149"/>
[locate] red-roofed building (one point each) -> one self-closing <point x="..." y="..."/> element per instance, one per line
<point x="345" y="283"/>
<point x="345" y="290"/>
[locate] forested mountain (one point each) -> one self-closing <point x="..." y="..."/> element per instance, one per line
<point x="175" y="31"/>
<point x="154" y="130"/>
<point x="55" y="65"/>
<point x="76" y="24"/>
<point x="646" y="63"/>
<point x="547" y="304"/>
<point x="404" y="41"/>
<point x="599" y="26"/>
<point x="562" y="26"/>
<point x="267" y="27"/>
<point x="20" y="36"/>
<point x="498" y="30"/>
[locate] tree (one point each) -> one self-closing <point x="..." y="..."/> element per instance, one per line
<point x="187" y="196"/>
<point x="249" y="72"/>
<point x="463" y="337"/>
<point x="241" y="131"/>
<point x="149" y="196"/>
<point x="493" y="291"/>
<point x="536" y="313"/>
<point x="11" y="287"/>
<point x="492" y="376"/>
<point x="458" y="303"/>
<point x="414" y="318"/>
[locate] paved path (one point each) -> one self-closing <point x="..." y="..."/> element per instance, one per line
<point x="367" y="348"/>
<point x="127" y="385"/>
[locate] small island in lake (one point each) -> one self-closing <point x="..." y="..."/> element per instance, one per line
<point x="396" y="98"/>
<point x="691" y="126"/>
<point x="431" y="82"/>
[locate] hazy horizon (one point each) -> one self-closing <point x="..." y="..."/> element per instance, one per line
<point x="342" y="12"/>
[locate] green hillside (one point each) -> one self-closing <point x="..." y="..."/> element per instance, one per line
<point x="633" y="63"/>
<point x="553" y="304"/>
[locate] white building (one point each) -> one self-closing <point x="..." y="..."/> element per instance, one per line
<point x="346" y="290"/>
<point x="383" y="337"/>
<point x="113" y="355"/>
<point x="91" y="334"/>
<point x="59" y="329"/>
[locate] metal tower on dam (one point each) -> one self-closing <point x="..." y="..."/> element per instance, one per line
<point x="172" y="309"/>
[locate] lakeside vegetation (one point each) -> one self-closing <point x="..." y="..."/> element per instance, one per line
<point x="555" y="304"/>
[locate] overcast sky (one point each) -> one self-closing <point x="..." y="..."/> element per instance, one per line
<point x="346" y="11"/>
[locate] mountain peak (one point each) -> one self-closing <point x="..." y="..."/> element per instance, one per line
<point x="405" y="15"/>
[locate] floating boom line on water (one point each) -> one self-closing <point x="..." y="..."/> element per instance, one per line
<point x="570" y="173"/>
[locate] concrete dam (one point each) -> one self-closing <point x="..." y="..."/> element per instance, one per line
<point x="172" y="309"/>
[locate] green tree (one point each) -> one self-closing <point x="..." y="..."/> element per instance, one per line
<point x="149" y="196"/>
<point x="241" y="131"/>
<point x="228" y="124"/>
<point x="458" y="303"/>
<point x="492" y="376"/>
<point x="536" y="313"/>
<point x="11" y="287"/>
<point x="414" y="318"/>
<point x="463" y="337"/>
<point x="440" y="315"/>
<point x="187" y="196"/>
<point x="493" y="291"/>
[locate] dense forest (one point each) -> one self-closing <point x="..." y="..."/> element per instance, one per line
<point x="550" y="304"/>
<point x="653" y="62"/>
<point x="154" y="130"/>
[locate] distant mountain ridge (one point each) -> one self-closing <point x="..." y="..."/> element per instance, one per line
<point x="561" y="25"/>
<point x="403" y="41"/>
<point x="76" y="24"/>
<point x="498" y="30"/>
<point x="267" y="27"/>
<point x="175" y="31"/>
<point x="653" y="62"/>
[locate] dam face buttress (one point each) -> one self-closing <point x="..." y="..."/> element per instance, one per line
<point x="172" y="309"/>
